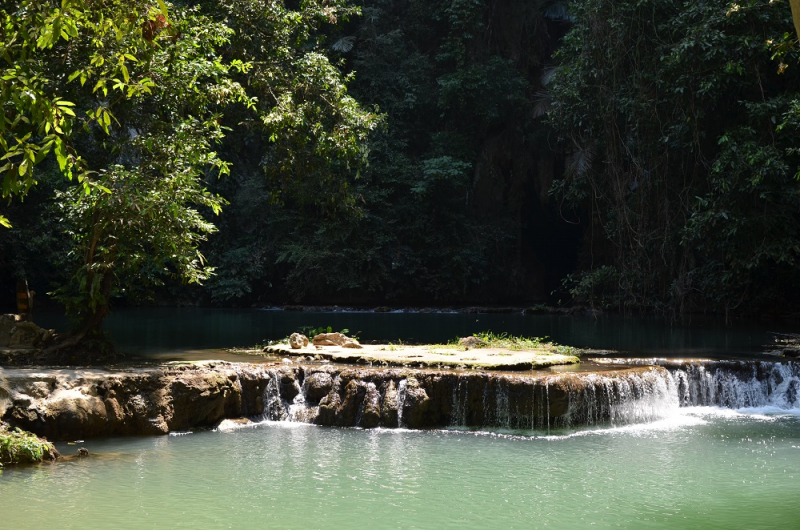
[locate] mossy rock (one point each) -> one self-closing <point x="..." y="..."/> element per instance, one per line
<point x="21" y="447"/>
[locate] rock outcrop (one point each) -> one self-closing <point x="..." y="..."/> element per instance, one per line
<point x="67" y="405"/>
<point x="21" y="340"/>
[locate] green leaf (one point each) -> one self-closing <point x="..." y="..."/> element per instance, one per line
<point x="163" y="8"/>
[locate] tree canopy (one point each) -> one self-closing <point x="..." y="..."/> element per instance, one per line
<point x="132" y="98"/>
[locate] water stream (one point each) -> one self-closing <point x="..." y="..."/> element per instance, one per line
<point x="170" y="333"/>
<point x="697" y="445"/>
<point x="699" y="467"/>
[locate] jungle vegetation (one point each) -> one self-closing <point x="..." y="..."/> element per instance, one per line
<point x="636" y="156"/>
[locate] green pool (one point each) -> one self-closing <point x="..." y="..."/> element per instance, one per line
<point x="699" y="468"/>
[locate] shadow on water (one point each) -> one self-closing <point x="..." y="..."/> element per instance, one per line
<point x="197" y="333"/>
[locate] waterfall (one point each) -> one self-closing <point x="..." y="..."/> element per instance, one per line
<point x="640" y="393"/>
<point x="458" y="414"/>
<point x="273" y="404"/>
<point x="622" y="399"/>
<point x="737" y="384"/>
<point x="401" y="400"/>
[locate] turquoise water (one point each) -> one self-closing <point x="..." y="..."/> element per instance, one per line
<point x="700" y="468"/>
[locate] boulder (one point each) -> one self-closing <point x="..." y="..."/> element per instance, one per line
<point x="317" y="386"/>
<point x="472" y="342"/>
<point x="17" y="333"/>
<point x="298" y="341"/>
<point x="335" y="339"/>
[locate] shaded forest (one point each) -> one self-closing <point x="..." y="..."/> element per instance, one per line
<point x="634" y="157"/>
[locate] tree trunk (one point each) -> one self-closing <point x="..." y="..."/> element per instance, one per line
<point x="796" y="15"/>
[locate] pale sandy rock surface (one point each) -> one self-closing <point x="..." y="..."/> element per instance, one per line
<point x="431" y="356"/>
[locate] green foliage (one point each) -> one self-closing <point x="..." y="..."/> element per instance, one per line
<point x="311" y="331"/>
<point x="489" y="339"/>
<point x="438" y="211"/>
<point x="21" y="447"/>
<point x="39" y="45"/>
<point x="600" y="285"/>
<point x="139" y="98"/>
<point x="680" y="143"/>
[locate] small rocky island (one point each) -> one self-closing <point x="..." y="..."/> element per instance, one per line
<point x="506" y="354"/>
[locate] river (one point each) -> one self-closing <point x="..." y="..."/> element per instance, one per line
<point x="733" y="465"/>
<point x="701" y="467"/>
<point x="169" y="333"/>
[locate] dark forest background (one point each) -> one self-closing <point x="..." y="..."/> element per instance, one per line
<point x="628" y="156"/>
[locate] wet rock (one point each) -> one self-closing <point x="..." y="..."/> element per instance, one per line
<point x="390" y="406"/>
<point x="298" y="341"/>
<point x="68" y="405"/>
<point x="328" y="407"/>
<point x="233" y="424"/>
<point x="347" y="413"/>
<point x="83" y="452"/>
<point x="63" y="406"/>
<point x="371" y="414"/>
<point x="317" y="385"/>
<point x="289" y="387"/>
<point x="416" y="405"/>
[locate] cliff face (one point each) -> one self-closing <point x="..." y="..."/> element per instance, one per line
<point x="75" y="404"/>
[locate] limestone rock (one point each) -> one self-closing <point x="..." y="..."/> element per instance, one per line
<point x="347" y="413"/>
<point x="371" y="414"/>
<point x="17" y="333"/>
<point x="289" y="387"/>
<point x="298" y="341"/>
<point x="327" y="409"/>
<point x="317" y="386"/>
<point x="335" y="339"/>
<point x="415" y="405"/>
<point x="472" y="342"/>
<point x="390" y="406"/>
<point x="233" y="424"/>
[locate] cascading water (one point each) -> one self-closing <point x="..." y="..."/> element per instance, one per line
<point x="273" y="404"/>
<point x="527" y="401"/>
<point x="737" y="384"/>
<point x="402" y="391"/>
<point x="624" y="399"/>
<point x="458" y="415"/>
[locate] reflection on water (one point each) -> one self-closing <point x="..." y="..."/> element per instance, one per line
<point x="701" y="468"/>
<point x="162" y="332"/>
